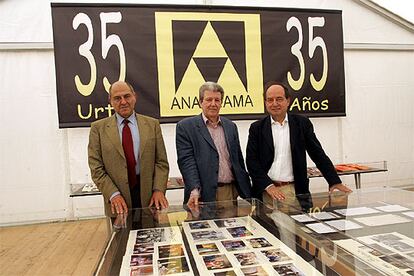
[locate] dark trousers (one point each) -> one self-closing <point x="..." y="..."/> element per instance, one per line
<point x="136" y="194"/>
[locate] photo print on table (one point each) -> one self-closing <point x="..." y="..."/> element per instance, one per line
<point x="276" y="255"/>
<point x="248" y="258"/>
<point x="323" y="215"/>
<point x="376" y="249"/>
<point x="173" y="265"/>
<point x="216" y="262"/>
<point x="398" y="245"/>
<point x="143" y="248"/>
<point x="403" y="259"/>
<point x="343" y="224"/>
<point x="141" y="260"/>
<point x="207" y="248"/>
<point x="237" y="232"/>
<point x="384" y="237"/>
<point x="380" y="220"/>
<point x="207" y="235"/>
<point x="199" y="225"/>
<point x="233" y="245"/>
<point x="225" y="273"/>
<point x="288" y="269"/>
<point x="259" y="242"/>
<point x="142" y="270"/>
<point x="392" y="208"/>
<point x="398" y="261"/>
<point x="254" y="270"/>
<point x="230" y="222"/>
<point x="170" y="250"/>
<point x="302" y="218"/>
<point x="150" y="235"/>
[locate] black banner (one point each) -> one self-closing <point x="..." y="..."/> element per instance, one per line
<point x="167" y="52"/>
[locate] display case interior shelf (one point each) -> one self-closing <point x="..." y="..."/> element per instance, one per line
<point x="352" y="168"/>
<point x="88" y="189"/>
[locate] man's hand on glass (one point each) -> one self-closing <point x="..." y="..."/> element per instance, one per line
<point x="340" y="187"/>
<point x="118" y="205"/>
<point x="275" y="193"/>
<point x="193" y="202"/>
<point x="159" y="200"/>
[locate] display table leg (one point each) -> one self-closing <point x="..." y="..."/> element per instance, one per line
<point x="357" y="177"/>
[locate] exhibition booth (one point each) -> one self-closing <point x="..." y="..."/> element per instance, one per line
<point x="349" y="65"/>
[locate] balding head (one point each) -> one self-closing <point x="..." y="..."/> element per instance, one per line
<point x="122" y="97"/>
<point x="120" y="84"/>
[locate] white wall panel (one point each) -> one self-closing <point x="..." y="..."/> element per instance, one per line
<point x="33" y="149"/>
<point x="380" y="119"/>
<point x="361" y="25"/>
<point x="31" y="20"/>
<point x="25" y="21"/>
<point x="78" y="155"/>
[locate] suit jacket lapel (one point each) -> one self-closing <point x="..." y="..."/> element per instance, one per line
<point x="267" y="133"/>
<point x="143" y="137"/>
<point x="113" y="134"/>
<point x="227" y="130"/>
<point x="202" y="128"/>
<point x="293" y="131"/>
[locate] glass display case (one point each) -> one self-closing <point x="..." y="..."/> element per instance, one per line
<point x="367" y="232"/>
<point x="374" y="226"/>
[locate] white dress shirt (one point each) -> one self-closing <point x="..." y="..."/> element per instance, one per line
<point x="281" y="169"/>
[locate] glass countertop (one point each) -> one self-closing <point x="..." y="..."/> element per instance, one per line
<point x="375" y="225"/>
<point x="367" y="232"/>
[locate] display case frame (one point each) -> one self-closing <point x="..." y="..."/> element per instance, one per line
<point x="322" y="250"/>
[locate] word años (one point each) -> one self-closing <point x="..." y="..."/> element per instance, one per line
<point x="307" y="104"/>
<point x="95" y="111"/>
<point x="191" y="102"/>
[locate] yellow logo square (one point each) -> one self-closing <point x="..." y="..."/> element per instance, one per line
<point x="209" y="60"/>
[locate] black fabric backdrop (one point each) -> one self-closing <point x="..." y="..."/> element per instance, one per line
<point x="171" y="50"/>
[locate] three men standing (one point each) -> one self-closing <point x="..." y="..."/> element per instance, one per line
<point x="128" y="161"/>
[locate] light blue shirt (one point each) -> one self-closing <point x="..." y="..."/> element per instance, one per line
<point x="133" y="126"/>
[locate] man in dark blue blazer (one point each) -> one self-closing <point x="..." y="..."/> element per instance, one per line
<point x="276" y="151"/>
<point x="209" y="153"/>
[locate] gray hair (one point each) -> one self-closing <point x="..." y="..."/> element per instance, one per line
<point x="211" y="86"/>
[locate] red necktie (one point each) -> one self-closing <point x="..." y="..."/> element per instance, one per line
<point x="128" y="146"/>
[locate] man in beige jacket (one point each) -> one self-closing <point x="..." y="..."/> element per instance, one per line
<point x="130" y="174"/>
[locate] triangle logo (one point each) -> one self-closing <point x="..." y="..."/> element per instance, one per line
<point x="210" y="62"/>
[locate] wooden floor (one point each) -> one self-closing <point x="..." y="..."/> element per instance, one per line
<point x="62" y="248"/>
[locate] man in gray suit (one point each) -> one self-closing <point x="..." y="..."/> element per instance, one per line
<point x="209" y="154"/>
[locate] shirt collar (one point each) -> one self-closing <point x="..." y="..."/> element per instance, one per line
<point x="273" y="122"/>
<point x="206" y="120"/>
<point x="132" y="119"/>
